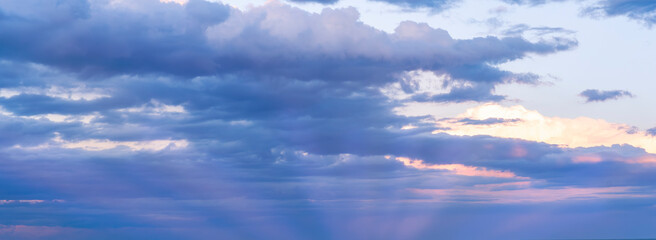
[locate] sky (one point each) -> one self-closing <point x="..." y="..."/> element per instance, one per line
<point x="327" y="119"/>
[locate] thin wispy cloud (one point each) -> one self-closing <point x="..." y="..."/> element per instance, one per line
<point x="641" y="10"/>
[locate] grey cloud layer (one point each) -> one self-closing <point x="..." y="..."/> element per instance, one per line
<point x="162" y="191"/>
<point x="94" y="39"/>
<point x="278" y="152"/>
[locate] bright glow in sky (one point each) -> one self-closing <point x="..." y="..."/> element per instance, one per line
<point x="518" y="122"/>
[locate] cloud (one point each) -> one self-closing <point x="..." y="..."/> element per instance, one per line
<point x="317" y="1"/>
<point x="101" y="145"/>
<point x="131" y="37"/>
<point x="651" y="131"/>
<point x="181" y="2"/>
<point x="458" y="169"/>
<point x="644" y="11"/>
<point x="533" y="126"/>
<point x="641" y="10"/>
<point x="594" y="95"/>
<point x="29" y="232"/>
<point x="197" y="120"/>
<point x="375" y="56"/>
<point x="31" y="201"/>
<point x="532" y="2"/>
<point x="433" y="4"/>
<point x="205" y="190"/>
<point x="75" y="94"/>
<point x="486" y="195"/>
<point x="206" y="39"/>
<point x="488" y="121"/>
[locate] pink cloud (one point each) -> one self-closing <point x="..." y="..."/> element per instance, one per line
<point x="458" y="169"/>
<point x="25" y="231"/>
<point x="29" y="201"/>
<point x="533" y="126"/>
<point x="487" y="194"/>
<point x="587" y="159"/>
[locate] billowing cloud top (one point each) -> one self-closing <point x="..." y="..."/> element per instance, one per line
<point x="198" y="120"/>
<point x="187" y="40"/>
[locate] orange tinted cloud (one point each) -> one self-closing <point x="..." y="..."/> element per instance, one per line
<point x="533" y="126"/>
<point x="458" y="169"/>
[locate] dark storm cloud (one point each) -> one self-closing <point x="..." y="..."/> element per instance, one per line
<point x="594" y="95"/>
